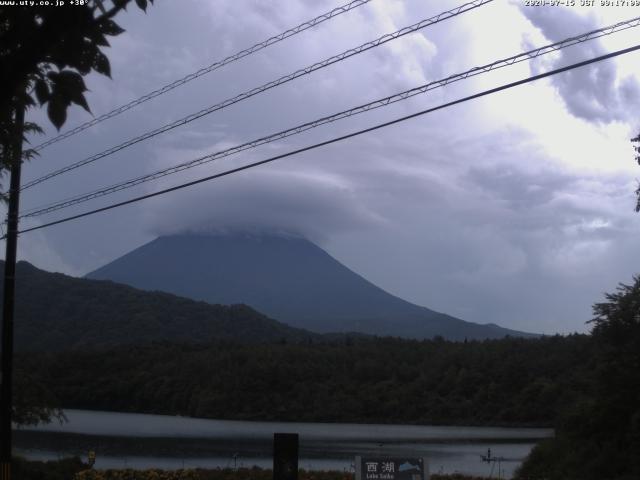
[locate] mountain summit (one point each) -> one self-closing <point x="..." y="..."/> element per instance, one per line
<point x="289" y="279"/>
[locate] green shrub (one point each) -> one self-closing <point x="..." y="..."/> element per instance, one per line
<point x="63" y="469"/>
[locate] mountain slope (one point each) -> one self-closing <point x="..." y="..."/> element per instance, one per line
<point x="289" y="279"/>
<point x="58" y="312"/>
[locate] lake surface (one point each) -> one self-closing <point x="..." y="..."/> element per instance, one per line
<point x="144" y="441"/>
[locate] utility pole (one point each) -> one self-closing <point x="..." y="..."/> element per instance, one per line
<point x="6" y="400"/>
<point x="492" y="460"/>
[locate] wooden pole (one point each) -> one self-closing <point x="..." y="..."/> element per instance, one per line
<point x="6" y="399"/>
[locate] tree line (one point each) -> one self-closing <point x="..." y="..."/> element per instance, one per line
<point x="382" y="380"/>
<point x="585" y="386"/>
<point x="599" y="437"/>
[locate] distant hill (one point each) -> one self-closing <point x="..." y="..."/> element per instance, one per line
<point x="58" y="312"/>
<point x="287" y="278"/>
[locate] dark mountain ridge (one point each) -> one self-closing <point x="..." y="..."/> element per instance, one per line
<point x="58" y="312"/>
<point x="289" y="279"/>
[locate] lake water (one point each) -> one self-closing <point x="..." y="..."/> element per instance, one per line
<point x="144" y="441"/>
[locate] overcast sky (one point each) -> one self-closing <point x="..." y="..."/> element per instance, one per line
<point x="515" y="209"/>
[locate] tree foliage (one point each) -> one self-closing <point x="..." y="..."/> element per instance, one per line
<point x="58" y="312"/>
<point x="600" y="437"/>
<point x="33" y="402"/>
<point x="385" y="380"/>
<point x="45" y="51"/>
<point x="64" y="469"/>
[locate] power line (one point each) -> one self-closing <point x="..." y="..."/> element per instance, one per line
<point x="203" y="71"/>
<point x="267" y="86"/>
<point x="338" y="139"/>
<point x="335" y="117"/>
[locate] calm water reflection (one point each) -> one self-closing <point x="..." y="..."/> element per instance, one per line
<point x="143" y="441"/>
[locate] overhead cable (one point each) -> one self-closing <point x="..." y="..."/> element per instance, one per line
<point x="267" y="86"/>
<point x="337" y="139"/>
<point x="203" y="71"/>
<point x="531" y="54"/>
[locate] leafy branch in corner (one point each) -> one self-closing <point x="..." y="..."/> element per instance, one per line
<point x="44" y="54"/>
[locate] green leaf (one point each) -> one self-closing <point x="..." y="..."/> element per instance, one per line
<point x="68" y="86"/>
<point x="42" y="91"/>
<point x="28" y="100"/>
<point x="101" y="64"/>
<point x="71" y="81"/>
<point x="100" y="39"/>
<point x="142" y="4"/>
<point x="30" y="127"/>
<point x="111" y="28"/>
<point x="57" y="111"/>
<point x="29" y="154"/>
<point x="79" y="99"/>
<point x="82" y="59"/>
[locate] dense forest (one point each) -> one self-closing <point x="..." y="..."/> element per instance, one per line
<point x="385" y="380"/>
<point x="58" y="312"/>
<point x="599" y="437"/>
<point x="586" y="386"/>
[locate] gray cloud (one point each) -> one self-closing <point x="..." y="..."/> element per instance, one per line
<point x="449" y="210"/>
<point x="526" y="244"/>
<point x="596" y="92"/>
<point x="486" y="228"/>
<point x="310" y="203"/>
